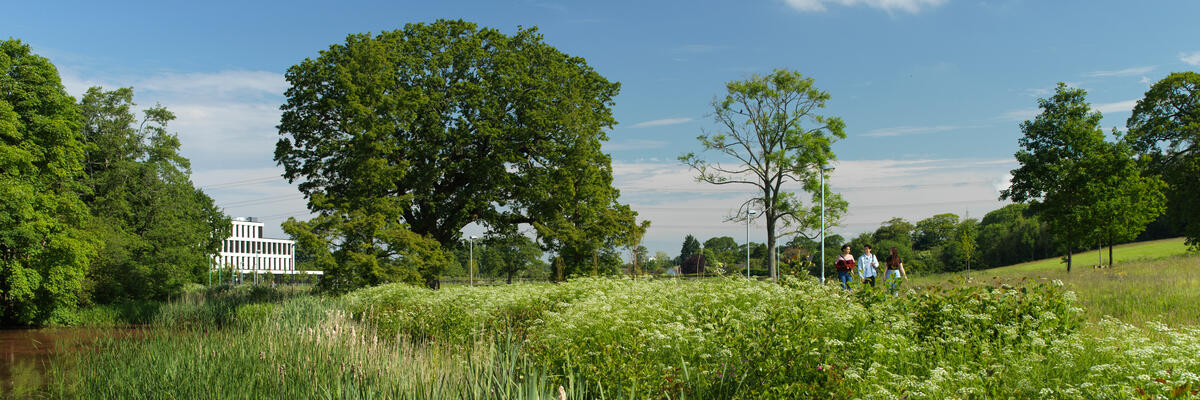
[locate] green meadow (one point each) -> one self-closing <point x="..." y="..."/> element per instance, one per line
<point x="1149" y="281"/>
<point x="1016" y="332"/>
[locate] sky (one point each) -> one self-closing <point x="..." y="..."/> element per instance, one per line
<point x="932" y="91"/>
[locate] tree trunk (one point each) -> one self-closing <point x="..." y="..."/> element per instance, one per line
<point x="509" y="280"/>
<point x="1110" y="250"/>
<point x="1070" y="249"/>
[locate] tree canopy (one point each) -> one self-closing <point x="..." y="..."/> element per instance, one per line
<point x="44" y="252"/>
<point x="770" y="136"/>
<point x="158" y="230"/>
<point x="1086" y="188"/>
<point x="448" y="124"/>
<point x="1165" y="130"/>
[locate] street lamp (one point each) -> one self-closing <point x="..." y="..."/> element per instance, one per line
<point x="824" y="169"/>
<point x="471" y="264"/>
<point x="749" y="214"/>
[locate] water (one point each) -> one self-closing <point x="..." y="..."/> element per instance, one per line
<point x="26" y="354"/>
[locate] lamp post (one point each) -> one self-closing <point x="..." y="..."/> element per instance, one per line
<point x="823" y="171"/>
<point x="471" y="264"/>
<point x="749" y="214"/>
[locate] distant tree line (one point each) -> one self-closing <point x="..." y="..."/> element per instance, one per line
<point x="96" y="204"/>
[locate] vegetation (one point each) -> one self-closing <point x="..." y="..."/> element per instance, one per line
<point x="157" y="229"/>
<point x="436" y="126"/>
<point x="1076" y="181"/>
<point x="616" y="338"/>
<point x="44" y="252"/>
<point x="1153" y="282"/>
<point x="1165" y="131"/>
<point x="770" y="129"/>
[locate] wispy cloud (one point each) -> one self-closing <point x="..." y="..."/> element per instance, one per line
<point x="667" y="194"/>
<point x="1192" y="58"/>
<point x="909" y="6"/>
<point x="1120" y="106"/>
<point x="1134" y="71"/>
<point x="910" y="130"/>
<point x="634" y="144"/>
<point x="1020" y="115"/>
<point x="662" y="122"/>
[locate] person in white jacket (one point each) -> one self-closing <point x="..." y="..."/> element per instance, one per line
<point x="867" y="264"/>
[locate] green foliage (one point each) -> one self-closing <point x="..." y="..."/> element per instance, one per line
<point x="360" y="248"/>
<point x="44" y="253"/>
<point x="1127" y="201"/>
<point x="445" y="124"/>
<point x="159" y="231"/>
<point x="509" y="255"/>
<point x="934" y="231"/>
<point x="690" y="247"/>
<point x="1057" y="147"/>
<point x="1165" y="130"/>
<point x="770" y="132"/>
<point x="732" y="338"/>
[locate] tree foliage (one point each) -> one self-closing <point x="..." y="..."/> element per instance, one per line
<point x="1164" y="130"/>
<point x="1055" y="153"/>
<point x="44" y="252"/>
<point x="770" y="136"/>
<point x="158" y="230"/>
<point x="449" y="124"/>
<point x="1126" y="201"/>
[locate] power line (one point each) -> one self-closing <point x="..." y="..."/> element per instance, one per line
<point x="263" y="200"/>
<point x="243" y="182"/>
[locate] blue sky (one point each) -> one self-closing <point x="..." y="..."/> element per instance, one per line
<point x="931" y="91"/>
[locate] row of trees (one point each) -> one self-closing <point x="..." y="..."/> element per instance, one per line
<point x="400" y="140"/>
<point x="96" y="205"/>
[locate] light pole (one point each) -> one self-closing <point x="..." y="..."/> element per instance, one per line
<point x="823" y="171"/>
<point x="749" y="214"/>
<point x="471" y="264"/>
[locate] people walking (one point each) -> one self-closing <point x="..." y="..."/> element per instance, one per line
<point x="895" y="270"/>
<point x="867" y="266"/>
<point x="844" y="264"/>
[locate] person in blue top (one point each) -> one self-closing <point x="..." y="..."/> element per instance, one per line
<point x="867" y="264"/>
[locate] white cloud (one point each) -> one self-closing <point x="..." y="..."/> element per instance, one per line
<point x="909" y="6"/>
<point x="1192" y="58"/>
<point x="1117" y="107"/>
<point x="910" y="130"/>
<point x="1133" y="71"/>
<point x="667" y="195"/>
<point x="1020" y="115"/>
<point x="661" y="122"/>
<point x="634" y="144"/>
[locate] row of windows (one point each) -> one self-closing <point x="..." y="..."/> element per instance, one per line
<point x="256" y="247"/>
<point x="260" y="263"/>
<point x="247" y="231"/>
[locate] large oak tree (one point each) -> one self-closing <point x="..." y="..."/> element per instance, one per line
<point x="441" y="125"/>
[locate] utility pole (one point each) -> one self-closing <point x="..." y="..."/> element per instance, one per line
<point x="749" y="214"/>
<point x="471" y="262"/>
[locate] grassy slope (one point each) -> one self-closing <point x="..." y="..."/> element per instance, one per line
<point x="1151" y="281"/>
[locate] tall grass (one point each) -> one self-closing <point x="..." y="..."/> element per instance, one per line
<point x="1164" y="289"/>
<point x="619" y="339"/>
<point x="299" y="347"/>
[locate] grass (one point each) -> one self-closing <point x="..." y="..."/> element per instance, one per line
<point x="1151" y="281"/>
<point x="666" y="339"/>
<point x="256" y="343"/>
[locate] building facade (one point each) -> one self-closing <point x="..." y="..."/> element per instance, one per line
<point x="247" y="251"/>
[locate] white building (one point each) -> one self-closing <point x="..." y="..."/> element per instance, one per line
<point x="247" y="251"/>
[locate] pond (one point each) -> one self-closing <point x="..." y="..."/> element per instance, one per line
<point x="26" y="354"/>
